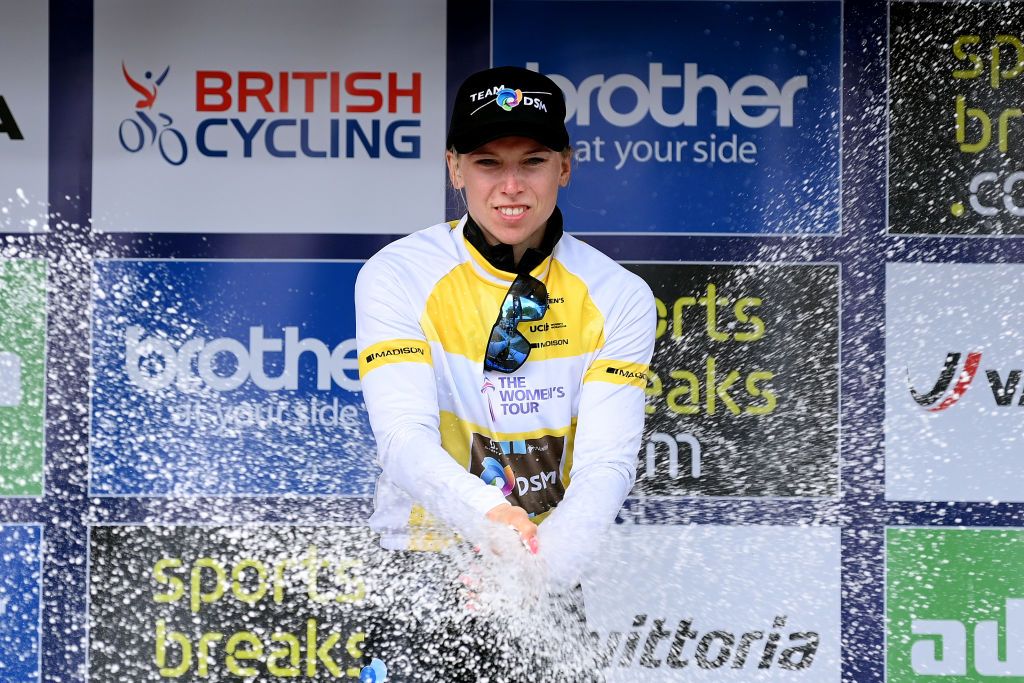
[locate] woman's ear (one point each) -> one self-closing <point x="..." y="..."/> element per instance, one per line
<point x="454" y="172"/>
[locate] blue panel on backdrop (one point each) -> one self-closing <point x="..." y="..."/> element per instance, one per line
<point x="19" y="603"/>
<point x="691" y="117"/>
<point x="227" y="377"/>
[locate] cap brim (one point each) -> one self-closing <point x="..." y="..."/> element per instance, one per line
<point x="481" y="135"/>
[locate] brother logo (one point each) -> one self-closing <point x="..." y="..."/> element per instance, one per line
<point x="752" y="101"/>
<point x="10" y="379"/>
<point x="176" y="364"/>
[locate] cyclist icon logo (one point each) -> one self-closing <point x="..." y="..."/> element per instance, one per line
<point x="133" y="134"/>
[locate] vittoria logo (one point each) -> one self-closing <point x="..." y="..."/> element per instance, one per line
<point x="645" y="644"/>
<point x="1003" y="390"/>
<point x="945" y="378"/>
<point x="401" y="351"/>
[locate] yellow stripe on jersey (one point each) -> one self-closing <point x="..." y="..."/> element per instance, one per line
<point x="427" y="532"/>
<point x="617" y="372"/>
<point x="393" y="351"/>
<point x="572" y="326"/>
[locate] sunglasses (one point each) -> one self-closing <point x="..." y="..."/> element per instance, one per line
<point x="507" y="348"/>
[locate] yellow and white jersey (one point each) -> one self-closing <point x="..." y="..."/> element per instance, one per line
<point x="563" y="430"/>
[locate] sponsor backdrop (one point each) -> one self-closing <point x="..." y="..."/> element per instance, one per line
<point x="268" y="118"/>
<point x="226" y="377"/>
<point x="719" y="603"/>
<point x="20" y="616"/>
<point x="180" y="416"/>
<point x="24" y="111"/>
<point x="736" y="407"/>
<point x="22" y="381"/>
<point x="955" y="165"/>
<point x="713" y="117"/>
<point x="965" y="621"/>
<point x="202" y="600"/>
<point x="953" y="396"/>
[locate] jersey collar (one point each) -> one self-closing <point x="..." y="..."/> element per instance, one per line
<point x="500" y="255"/>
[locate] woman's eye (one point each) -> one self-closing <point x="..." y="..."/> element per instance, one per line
<point x="487" y="163"/>
<point x="535" y="161"/>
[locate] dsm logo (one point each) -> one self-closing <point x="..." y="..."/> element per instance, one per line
<point x="141" y="131"/>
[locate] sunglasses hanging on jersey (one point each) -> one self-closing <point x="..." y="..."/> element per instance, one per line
<point x="507" y="348"/>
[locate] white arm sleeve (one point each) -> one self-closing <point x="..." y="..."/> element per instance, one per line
<point x="608" y="434"/>
<point x="401" y="400"/>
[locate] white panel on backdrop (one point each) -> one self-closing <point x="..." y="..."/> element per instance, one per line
<point x="717" y="603"/>
<point x="263" y="116"/>
<point x="954" y="355"/>
<point x="24" y="114"/>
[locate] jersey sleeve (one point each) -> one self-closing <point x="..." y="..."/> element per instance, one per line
<point x="397" y="377"/>
<point x="608" y="433"/>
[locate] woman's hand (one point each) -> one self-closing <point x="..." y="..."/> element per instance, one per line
<point x="514" y="516"/>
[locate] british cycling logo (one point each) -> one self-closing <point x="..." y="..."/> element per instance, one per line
<point x="142" y="131"/>
<point x="376" y="672"/>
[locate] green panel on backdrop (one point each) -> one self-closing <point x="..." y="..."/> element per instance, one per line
<point x="952" y="597"/>
<point x="22" y="376"/>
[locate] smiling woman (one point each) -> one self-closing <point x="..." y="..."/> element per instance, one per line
<point x="503" y="365"/>
<point x="511" y="187"/>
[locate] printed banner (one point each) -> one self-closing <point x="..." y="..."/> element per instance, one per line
<point x="718" y="604"/>
<point x="743" y="397"/>
<point x="227" y="377"/>
<point x="243" y="116"/>
<point x="22" y="376"/>
<point x="956" y="83"/>
<point x="953" y="401"/>
<point x="24" y="115"/>
<point x="954" y="605"/>
<point x="690" y="117"/>
<point x="20" y="582"/>
<point x="224" y="603"/>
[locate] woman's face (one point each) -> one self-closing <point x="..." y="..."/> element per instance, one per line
<point x="511" y="187"/>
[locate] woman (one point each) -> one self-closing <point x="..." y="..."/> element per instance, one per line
<point x="503" y="362"/>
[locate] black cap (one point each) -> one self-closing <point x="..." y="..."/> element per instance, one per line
<point x="504" y="101"/>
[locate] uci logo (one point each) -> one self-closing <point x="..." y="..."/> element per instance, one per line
<point x="540" y="327"/>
